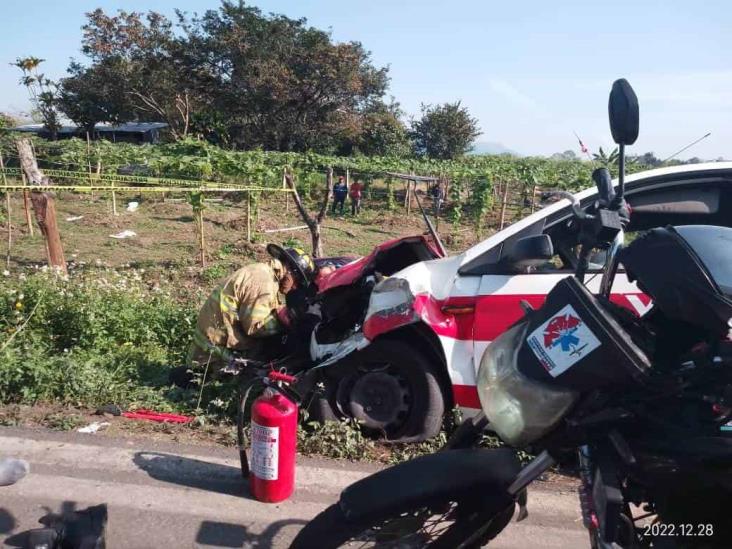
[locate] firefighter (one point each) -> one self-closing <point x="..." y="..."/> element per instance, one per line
<point x="247" y="308"/>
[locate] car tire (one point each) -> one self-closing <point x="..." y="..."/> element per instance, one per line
<point x="392" y="369"/>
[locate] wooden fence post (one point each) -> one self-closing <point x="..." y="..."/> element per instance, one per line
<point x="26" y="205"/>
<point x="114" y="200"/>
<point x="202" y="241"/>
<point x="7" y="207"/>
<point x="43" y="205"/>
<point x="503" y="206"/>
<point x="249" y="216"/>
<point x="284" y="186"/>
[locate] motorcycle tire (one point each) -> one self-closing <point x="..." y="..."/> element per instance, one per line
<point x="331" y="529"/>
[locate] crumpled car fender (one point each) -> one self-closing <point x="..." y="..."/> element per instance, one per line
<point x="391" y="306"/>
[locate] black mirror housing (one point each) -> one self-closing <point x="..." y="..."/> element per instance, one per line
<point x="526" y="252"/>
<point x="623" y="113"/>
<point x="604" y="183"/>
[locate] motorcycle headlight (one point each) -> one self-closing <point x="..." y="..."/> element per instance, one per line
<point x="519" y="409"/>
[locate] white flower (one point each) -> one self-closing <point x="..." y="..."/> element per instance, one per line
<point x="6" y="273"/>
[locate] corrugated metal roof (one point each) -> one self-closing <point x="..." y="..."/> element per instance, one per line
<point x="131" y="127"/>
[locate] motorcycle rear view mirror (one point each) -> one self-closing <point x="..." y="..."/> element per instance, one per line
<point x="623" y="112"/>
<point x="604" y="183"/>
<point x="526" y="252"/>
<point x="624" y="120"/>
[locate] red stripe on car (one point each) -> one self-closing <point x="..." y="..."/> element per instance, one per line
<point x="466" y="396"/>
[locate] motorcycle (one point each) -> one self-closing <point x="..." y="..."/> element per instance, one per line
<point x="641" y="406"/>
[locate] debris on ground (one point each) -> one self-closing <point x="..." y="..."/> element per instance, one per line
<point x="132" y="206"/>
<point x="160" y="417"/>
<point x="93" y="427"/>
<point x="75" y="218"/>
<point x="124" y="234"/>
<point x="109" y="409"/>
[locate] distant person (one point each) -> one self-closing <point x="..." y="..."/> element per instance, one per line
<point x="355" y="192"/>
<point x="438" y="196"/>
<point x="340" y="192"/>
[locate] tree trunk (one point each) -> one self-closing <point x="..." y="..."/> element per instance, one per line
<point x="43" y="206"/>
<point x="317" y="243"/>
<point x="313" y="223"/>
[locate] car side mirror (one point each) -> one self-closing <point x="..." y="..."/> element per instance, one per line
<point x="623" y="113"/>
<point x="526" y="252"/>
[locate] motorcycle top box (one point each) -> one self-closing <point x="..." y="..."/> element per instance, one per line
<point x="573" y="342"/>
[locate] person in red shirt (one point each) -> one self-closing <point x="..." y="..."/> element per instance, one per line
<point x="355" y="194"/>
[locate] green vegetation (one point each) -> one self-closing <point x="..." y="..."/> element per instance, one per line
<point x="89" y="340"/>
<point x="445" y="131"/>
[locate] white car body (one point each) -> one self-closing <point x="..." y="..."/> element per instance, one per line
<point x="465" y="312"/>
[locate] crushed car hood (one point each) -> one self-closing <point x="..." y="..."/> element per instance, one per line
<point x="350" y="272"/>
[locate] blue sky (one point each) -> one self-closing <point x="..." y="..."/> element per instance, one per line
<point x="530" y="71"/>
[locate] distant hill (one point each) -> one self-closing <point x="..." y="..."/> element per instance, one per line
<point x="491" y="147"/>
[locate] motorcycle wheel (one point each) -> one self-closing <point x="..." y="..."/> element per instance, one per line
<point x="448" y="524"/>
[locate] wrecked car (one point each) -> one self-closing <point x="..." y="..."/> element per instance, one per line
<point x="403" y="328"/>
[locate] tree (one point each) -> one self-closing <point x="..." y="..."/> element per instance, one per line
<point x="43" y="92"/>
<point x="313" y="223"/>
<point x="7" y="121"/>
<point x="93" y="94"/>
<point x="381" y="132"/>
<point x="566" y="155"/>
<point x="444" y="131"/>
<point x="135" y="73"/>
<point x="233" y="75"/>
<point x="283" y="85"/>
<point x="648" y="159"/>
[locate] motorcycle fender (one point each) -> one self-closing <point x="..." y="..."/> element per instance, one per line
<point x="479" y="474"/>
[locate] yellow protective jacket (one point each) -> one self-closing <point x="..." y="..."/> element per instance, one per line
<point x="241" y="309"/>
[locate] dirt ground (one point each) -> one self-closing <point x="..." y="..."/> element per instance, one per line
<point x="166" y="234"/>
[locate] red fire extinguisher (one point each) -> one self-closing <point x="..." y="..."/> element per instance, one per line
<point x="273" y="441"/>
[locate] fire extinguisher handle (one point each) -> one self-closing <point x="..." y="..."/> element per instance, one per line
<point x="279" y="376"/>
<point x="286" y="391"/>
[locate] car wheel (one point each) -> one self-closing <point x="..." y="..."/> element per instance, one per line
<point x="391" y="389"/>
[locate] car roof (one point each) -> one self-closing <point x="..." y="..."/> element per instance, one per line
<point x="637" y="179"/>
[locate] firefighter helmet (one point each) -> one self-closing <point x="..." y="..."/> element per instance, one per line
<point x="296" y="260"/>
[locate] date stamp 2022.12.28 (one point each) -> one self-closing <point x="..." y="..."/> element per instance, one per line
<point x="682" y="530"/>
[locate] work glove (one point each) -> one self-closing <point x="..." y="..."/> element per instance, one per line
<point x="297" y="302"/>
<point x="284" y="317"/>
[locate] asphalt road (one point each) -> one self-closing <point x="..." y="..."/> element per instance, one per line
<point x="162" y="495"/>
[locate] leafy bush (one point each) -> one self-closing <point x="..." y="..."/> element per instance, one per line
<point x="89" y="340"/>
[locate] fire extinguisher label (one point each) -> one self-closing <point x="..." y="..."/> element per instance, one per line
<point x="265" y="451"/>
